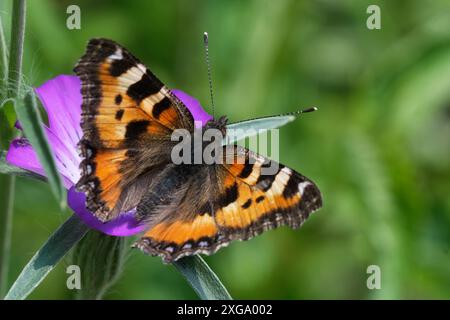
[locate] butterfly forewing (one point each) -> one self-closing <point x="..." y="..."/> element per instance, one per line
<point x="128" y="116"/>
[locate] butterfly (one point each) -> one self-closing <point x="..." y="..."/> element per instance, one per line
<point x="128" y="117"/>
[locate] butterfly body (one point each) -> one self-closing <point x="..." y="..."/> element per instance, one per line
<point x="129" y="120"/>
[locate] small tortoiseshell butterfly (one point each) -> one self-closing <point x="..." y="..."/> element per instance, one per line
<point x="128" y="116"/>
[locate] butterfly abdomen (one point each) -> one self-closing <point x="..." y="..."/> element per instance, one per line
<point x="166" y="191"/>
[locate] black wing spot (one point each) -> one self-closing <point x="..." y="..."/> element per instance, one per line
<point x="230" y="196"/>
<point x="265" y="181"/>
<point x="291" y="188"/>
<point x="118" y="67"/>
<point x="119" y="114"/>
<point x="143" y="88"/>
<point x="136" y="128"/>
<point x="247" y="204"/>
<point x="118" y="99"/>
<point x="246" y="171"/>
<point x="259" y="199"/>
<point x="159" y="108"/>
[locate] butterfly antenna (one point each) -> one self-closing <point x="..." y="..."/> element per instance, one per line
<point x="308" y="110"/>
<point x="205" y="41"/>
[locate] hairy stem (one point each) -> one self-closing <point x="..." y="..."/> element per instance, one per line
<point x="3" y="62"/>
<point x="7" y="182"/>
<point x="16" y="50"/>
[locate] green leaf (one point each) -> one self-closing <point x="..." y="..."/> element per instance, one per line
<point x="248" y="128"/>
<point x="202" y="279"/>
<point x="31" y="122"/>
<point x="6" y="131"/>
<point x="56" y="247"/>
<point x="8" y="110"/>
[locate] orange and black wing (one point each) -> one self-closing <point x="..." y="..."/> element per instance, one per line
<point x="246" y="201"/>
<point x="128" y="116"/>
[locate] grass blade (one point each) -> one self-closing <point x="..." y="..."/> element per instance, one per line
<point x="201" y="278"/>
<point x="56" y="247"/>
<point x="31" y="122"/>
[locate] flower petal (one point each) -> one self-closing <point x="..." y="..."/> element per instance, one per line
<point x="22" y="155"/>
<point x="61" y="98"/>
<point x="67" y="159"/>
<point x="124" y="225"/>
<point x="194" y="106"/>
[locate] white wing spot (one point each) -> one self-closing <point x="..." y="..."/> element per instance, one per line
<point x="187" y="246"/>
<point x="169" y="249"/>
<point x="302" y="186"/>
<point x="280" y="182"/>
<point x="286" y="170"/>
<point x="142" y="67"/>
<point x="203" y="244"/>
<point x="117" y="55"/>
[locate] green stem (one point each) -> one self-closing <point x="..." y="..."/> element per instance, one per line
<point x="3" y="62"/>
<point x="16" y="50"/>
<point x="6" y="207"/>
<point x="7" y="182"/>
<point x="4" y="127"/>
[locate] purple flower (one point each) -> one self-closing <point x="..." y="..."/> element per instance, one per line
<point x="61" y="99"/>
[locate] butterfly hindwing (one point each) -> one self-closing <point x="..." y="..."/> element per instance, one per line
<point x="244" y="202"/>
<point x="128" y="116"/>
<point x="265" y="195"/>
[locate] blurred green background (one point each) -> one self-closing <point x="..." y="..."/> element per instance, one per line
<point x="379" y="146"/>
